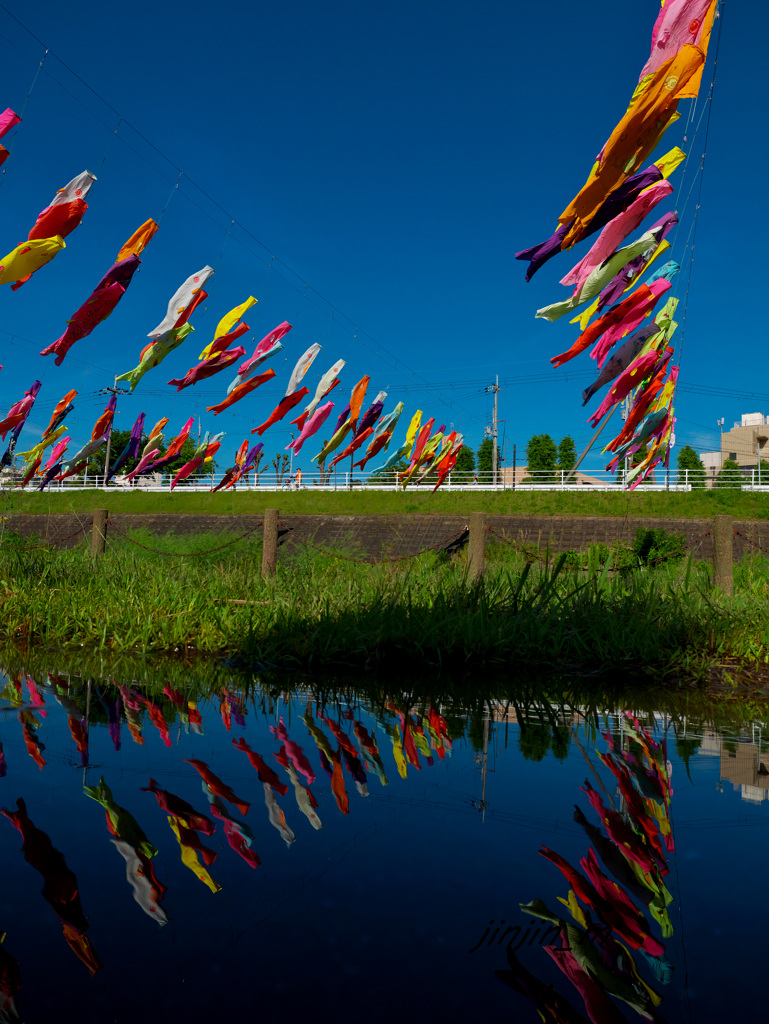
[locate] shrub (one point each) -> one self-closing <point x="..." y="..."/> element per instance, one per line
<point x="652" y="545"/>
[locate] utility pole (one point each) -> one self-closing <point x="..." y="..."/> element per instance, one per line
<point x="496" y="389"/>
<point x="758" y="460"/>
<point x="624" y="414"/>
<point x="114" y="390"/>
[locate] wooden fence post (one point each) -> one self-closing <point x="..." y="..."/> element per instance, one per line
<point x="723" y="552"/>
<point x="99" y="532"/>
<point x="270" y="542"/>
<point x="476" y="545"/>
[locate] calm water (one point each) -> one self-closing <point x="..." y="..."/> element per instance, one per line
<point x="354" y="862"/>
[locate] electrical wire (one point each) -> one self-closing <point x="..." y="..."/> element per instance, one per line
<point x="345" y="322"/>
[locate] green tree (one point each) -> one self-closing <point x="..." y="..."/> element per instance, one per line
<point x="541" y="458"/>
<point x="637" y="457"/>
<point x="484" y="457"/>
<point x="475" y="731"/>
<point x="689" y="460"/>
<point x="465" y="466"/>
<point x="120" y="439"/>
<point x="534" y="739"/>
<point x="560" y="742"/>
<point x="567" y="453"/>
<point x="730" y="475"/>
<point x="686" y="747"/>
<point x="186" y="453"/>
<point x="397" y="467"/>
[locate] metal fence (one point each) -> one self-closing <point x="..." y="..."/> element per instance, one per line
<point x="581" y="483"/>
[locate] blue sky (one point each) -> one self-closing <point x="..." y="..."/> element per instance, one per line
<point x="383" y="163"/>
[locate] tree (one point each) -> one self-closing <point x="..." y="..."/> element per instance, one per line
<point x="637" y="457"/>
<point x="689" y="460"/>
<point x="534" y="739"/>
<point x="120" y="439"/>
<point x="730" y="475"/>
<point x="186" y="453"/>
<point x="397" y="467"/>
<point x="280" y="465"/>
<point x="324" y="473"/>
<point x="258" y="468"/>
<point x="560" y="742"/>
<point x="541" y="458"/>
<point x="465" y="465"/>
<point x="567" y="454"/>
<point x="475" y="731"/>
<point x="686" y="747"/>
<point x="484" y="459"/>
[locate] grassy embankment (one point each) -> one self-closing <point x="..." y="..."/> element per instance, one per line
<point x="319" y="612"/>
<point x="692" y="505"/>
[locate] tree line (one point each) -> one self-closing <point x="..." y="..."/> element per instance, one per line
<point x="544" y="458"/>
<point x="691" y="470"/>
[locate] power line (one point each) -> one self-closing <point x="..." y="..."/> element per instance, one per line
<point x="337" y="315"/>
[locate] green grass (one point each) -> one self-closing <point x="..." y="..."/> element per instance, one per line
<point x="691" y="505"/>
<point x="320" y="612"/>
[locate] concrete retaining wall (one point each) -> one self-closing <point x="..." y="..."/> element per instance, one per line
<point x="393" y="536"/>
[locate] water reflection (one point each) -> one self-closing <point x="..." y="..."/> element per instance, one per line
<point x="408" y="833"/>
<point x="137" y="851"/>
<point x="593" y="952"/>
<point x="10" y="983"/>
<point x="60" y="887"/>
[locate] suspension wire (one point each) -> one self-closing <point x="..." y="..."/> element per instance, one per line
<point x="109" y="145"/>
<point x="171" y="194"/>
<point x="352" y="327"/>
<point x="12" y="141"/>
<point x="34" y="80"/>
<point x="709" y="107"/>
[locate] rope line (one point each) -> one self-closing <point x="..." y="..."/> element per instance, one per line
<point x="182" y="554"/>
<point x="52" y="546"/>
<point x="615" y="568"/>
<point x="370" y="559"/>
<point x="752" y="543"/>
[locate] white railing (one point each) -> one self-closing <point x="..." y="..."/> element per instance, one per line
<point x="581" y="483"/>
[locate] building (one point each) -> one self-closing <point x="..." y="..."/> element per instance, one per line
<point x="521" y="472"/>
<point x="745" y="764"/>
<point x="745" y="767"/>
<point x="746" y="441"/>
<point x="712" y="461"/>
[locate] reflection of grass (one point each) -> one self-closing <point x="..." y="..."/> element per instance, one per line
<point x="549" y="710"/>
<point x="320" y="612"/>
<point x="696" y="504"/>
